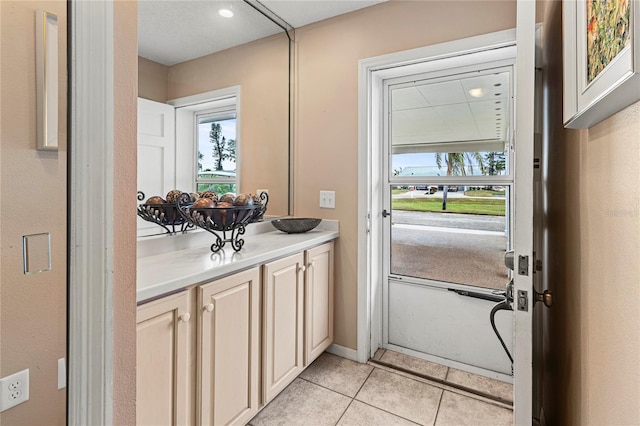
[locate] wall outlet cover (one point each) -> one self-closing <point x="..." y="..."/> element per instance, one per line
<point x="14" y="389"/>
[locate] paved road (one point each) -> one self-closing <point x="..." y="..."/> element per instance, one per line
<point x="438" y="194"/>
<point x="450" y="220"/>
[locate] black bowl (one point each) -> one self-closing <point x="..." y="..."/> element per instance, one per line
<point x="295" y="225"/>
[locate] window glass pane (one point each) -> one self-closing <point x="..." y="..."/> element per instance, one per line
<point x="492" y="163"/>
<point x="216" y="142"/>
<point x="460" y="238"/>
<point x="218" y="188"/>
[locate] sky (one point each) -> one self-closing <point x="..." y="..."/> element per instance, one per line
<point x="420" y="159"/>
<point x="424" y="160"/>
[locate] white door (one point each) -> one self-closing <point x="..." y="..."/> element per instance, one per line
<point x="156" y="153"/>
<point x="523" y="205"/>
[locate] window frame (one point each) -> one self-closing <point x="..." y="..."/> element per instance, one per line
<point x="186" y="111"/>
<point x="450" y="74"/>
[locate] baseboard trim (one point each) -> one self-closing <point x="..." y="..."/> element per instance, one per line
<point x="343" y="351"/>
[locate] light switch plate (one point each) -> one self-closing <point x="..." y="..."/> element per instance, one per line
<point x="327" y="199"/>
<point x="62" y="374"/>
<point x="36" y="253"/>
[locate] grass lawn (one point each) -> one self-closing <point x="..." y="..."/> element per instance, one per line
<point x="482" y="193"/>
<point x="399" y="191"/>
<point x="494" y="207"/>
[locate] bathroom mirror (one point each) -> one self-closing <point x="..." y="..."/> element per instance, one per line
<point x="187" y="53"/>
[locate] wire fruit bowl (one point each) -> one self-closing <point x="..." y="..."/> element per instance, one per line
<point x="165" y="215"/>
<point x="230" y="221"/>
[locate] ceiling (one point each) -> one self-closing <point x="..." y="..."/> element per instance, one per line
<point x="424" y="112"/>
<point x="170" y="31"/>
<point x="447" y="111"/>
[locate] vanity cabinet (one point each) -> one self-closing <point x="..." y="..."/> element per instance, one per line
<point x="228" y="349"/>
<point x="318" y="301"/>
<point x="283" y="327"/>
<point x="163" y="361"/>
<point x="216" y="353"/>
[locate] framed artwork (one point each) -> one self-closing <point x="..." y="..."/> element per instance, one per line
<point x="601" y="43"/>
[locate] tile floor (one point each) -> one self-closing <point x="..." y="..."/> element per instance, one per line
<point x="337" y="391"/>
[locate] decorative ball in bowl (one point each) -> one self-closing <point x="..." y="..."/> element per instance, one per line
<point x="295" y="225"/>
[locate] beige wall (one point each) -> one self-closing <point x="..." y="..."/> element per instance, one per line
<point x="326" y="154"/>
<point x="592" y="338"/>
<point x="261" y="69"/>
<point x="33" y="309"/>
<point x="124" y="239"/>
<point x="152" y="80"/>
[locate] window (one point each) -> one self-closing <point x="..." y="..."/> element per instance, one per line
<point x="198" y="165"/>
<point x="216" y="153"/>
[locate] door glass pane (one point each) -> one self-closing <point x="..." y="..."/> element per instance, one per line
<point x="456" y="127"/>
<point x="459" y="238"/>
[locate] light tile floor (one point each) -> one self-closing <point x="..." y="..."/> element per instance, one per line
<point x="337" y="391"/>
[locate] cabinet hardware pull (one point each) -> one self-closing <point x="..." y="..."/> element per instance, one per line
<point x="302" y="268"/>
<point x="185" y="317"/>
<point x="312" y="264"/>
<point x="209" y="307"/>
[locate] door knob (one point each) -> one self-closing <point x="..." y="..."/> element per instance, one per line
<point x="209" y="307"/>
<point x="545" y="297"/>
<point x="302" y="268"/>
<point x="185" y="317"/>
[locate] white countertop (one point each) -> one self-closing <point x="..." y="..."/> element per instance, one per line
<point x="162" y="272"/>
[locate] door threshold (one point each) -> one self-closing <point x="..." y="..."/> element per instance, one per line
<point x="443" y="383"/>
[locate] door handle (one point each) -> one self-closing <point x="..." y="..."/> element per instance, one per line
<point x="545" y="297"/>
<point x="385" y="213"/>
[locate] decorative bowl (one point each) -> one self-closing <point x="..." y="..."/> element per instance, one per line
<point x="295" y="225"/>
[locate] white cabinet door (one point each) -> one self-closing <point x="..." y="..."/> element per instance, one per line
<point x="318" y="301"/>
<point x="228" y="349"/>
<point x="156" y="153"/>
<point x="282" y="357"/>
<point x="163" y="351"/>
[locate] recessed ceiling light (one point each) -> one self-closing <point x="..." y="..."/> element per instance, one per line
<point x="227" y="13"/>
<point x="478" y="92"/>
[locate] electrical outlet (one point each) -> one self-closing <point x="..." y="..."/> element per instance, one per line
<point x="14" y="389"/>
<point x="327" y="199"/>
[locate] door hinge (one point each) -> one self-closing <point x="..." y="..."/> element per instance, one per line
<point x="523" y="300"/>
<point x="523" y="265"/>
